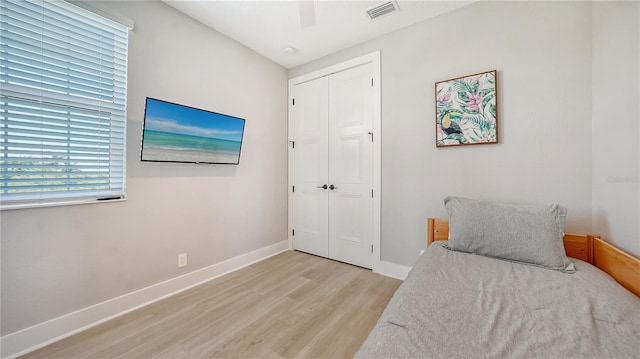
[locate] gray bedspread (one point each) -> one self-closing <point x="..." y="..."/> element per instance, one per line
<point x="459" y="305"/>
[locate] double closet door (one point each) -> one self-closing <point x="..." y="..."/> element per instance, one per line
<point x="331" y="174"/>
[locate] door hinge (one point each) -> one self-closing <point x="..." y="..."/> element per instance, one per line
<point x="372" y="193"/>
<point x="370" y="134"/>
<point x="293" y="188"/>
<point x="293" y="101"/>
<point x="293" y="144"/>
<point x="293" y="232"/>
<point x="371" y="82"/>
<point x="372" y="248"/>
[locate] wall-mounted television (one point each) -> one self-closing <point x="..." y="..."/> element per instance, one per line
<point x="178" y="133"/>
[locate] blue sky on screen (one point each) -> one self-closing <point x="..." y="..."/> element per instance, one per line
<point x="169" y="117"/>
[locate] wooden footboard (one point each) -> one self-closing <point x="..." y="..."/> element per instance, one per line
<point x="622" y="266"/>
<point x="619" y="264"/>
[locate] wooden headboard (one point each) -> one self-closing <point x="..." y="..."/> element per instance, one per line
<point x="622" y="266"/>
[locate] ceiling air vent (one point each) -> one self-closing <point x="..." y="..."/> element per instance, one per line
<point x="382" y="9"/>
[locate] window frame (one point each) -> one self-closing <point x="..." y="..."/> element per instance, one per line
<point x="18" y="90"/>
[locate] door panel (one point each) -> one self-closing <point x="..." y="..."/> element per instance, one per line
<point x="350" y="163"/>
<point x="309" y="128"/>
<point x="348" y="219"/>
<point x="351" y="166"/>
<point x="310" y="160"/>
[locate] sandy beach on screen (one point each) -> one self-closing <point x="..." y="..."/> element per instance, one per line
<point x="182" y="155"/>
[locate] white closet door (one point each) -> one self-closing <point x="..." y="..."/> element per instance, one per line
<point x="310" y="167"/>
<point x="351" y="166"/>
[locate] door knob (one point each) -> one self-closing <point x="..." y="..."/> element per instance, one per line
<point x="324" y="186"/>
<point x="332" y="187"/>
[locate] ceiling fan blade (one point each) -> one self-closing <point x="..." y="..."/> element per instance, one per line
<point x="307" y="10"/>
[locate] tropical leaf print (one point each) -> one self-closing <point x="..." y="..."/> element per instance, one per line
<point x="489" y="97"/>
<point x="466" y="110"/>
<point x="479" y="121"/>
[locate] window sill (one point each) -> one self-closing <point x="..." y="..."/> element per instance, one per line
<point x="66" y="202"/>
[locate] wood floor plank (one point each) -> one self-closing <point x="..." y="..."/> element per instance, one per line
<point x="290" y="305"/>
<point x="358" y="318"/>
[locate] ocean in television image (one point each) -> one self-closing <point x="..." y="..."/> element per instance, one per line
<point x="177" y="133"/>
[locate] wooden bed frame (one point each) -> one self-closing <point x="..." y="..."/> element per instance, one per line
<point x="622" y="266"/>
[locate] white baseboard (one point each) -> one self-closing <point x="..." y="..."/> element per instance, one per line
<point x="39" y="335"/>
<point x="392" y="270"/>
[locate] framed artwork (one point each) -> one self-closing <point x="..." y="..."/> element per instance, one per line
<point x="467" y="110"/>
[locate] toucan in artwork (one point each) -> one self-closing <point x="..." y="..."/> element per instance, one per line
<point x="449" y="125"/>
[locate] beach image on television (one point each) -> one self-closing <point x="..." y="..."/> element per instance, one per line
<point x="177" y="133"/>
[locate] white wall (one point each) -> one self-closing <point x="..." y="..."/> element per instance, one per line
<point x="616" y="118"/>
<point x="542" y="51"/>
<point x="61" y="259"/>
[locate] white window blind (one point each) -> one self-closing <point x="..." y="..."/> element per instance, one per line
<point x="63" y="75"/>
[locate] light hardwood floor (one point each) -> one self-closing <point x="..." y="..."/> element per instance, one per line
<point x="290" y="305"/>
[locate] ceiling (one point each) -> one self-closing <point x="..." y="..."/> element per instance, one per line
<point x="268" y="27"/>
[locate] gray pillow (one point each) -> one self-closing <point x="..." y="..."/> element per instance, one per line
<point x="531" y="234"/>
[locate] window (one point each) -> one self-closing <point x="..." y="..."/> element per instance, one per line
<point x="63" y="73"/>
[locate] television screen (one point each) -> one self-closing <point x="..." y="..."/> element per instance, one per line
<point x="177" y="133"/>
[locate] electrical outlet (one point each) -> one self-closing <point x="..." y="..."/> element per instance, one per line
<point x="182" y="260"/>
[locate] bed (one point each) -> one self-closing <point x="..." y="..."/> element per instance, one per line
<point x="457" y="304"/>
